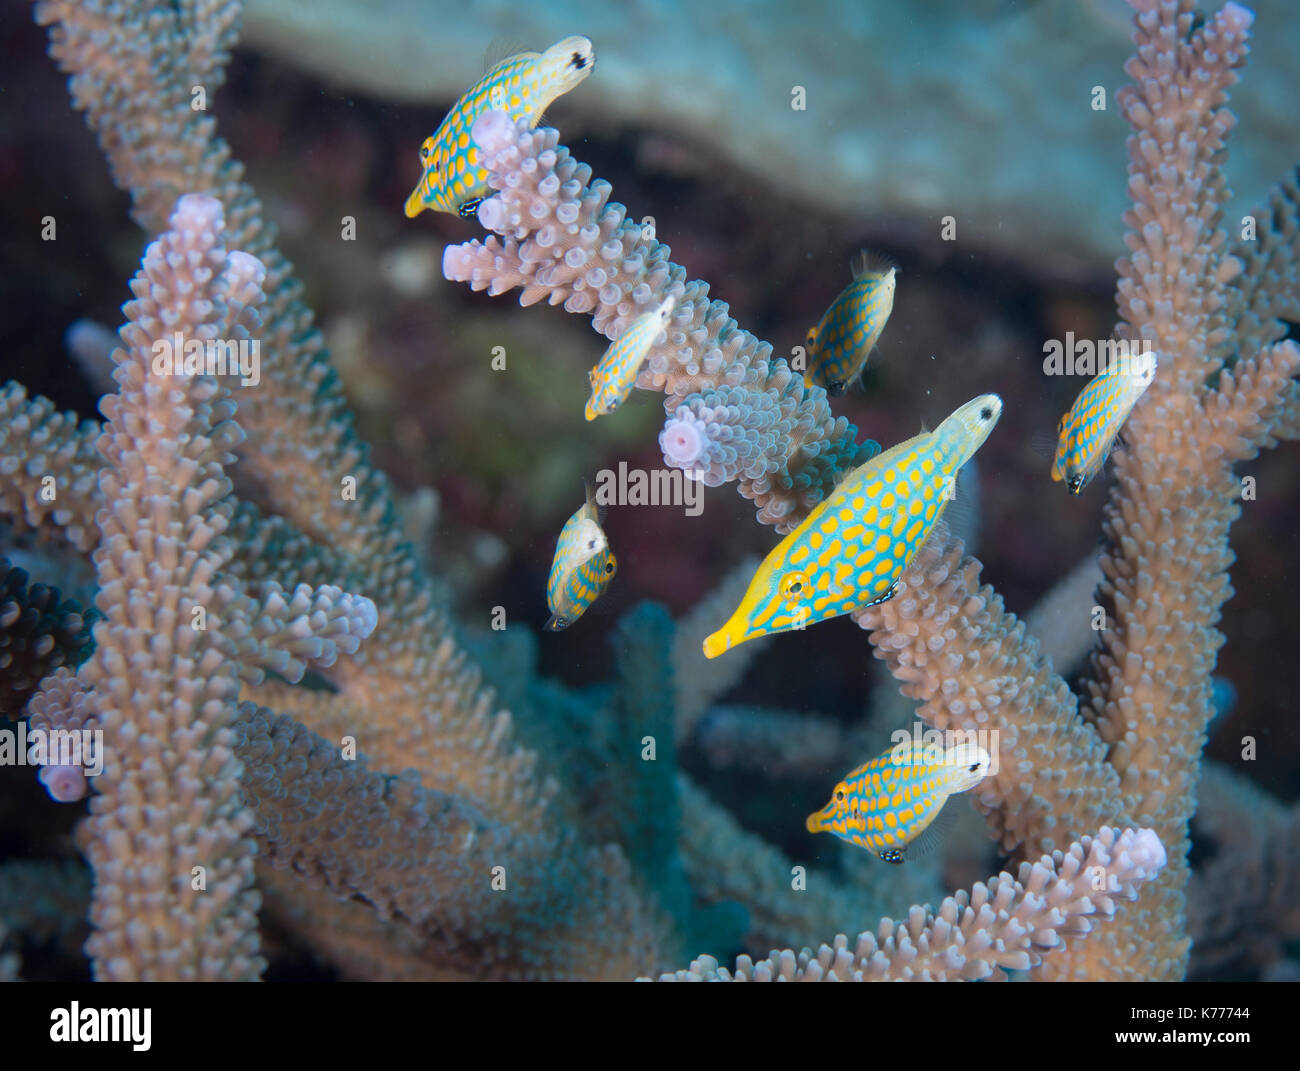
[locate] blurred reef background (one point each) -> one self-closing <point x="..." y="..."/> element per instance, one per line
<point x="916" y="111"/>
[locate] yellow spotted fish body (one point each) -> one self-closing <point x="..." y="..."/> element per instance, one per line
<point x="613" y="377"/>
<point x="1087" y="432"/>
<point x="582" y="567"/>
<point x="887" y="803"/>
<point x="838" y="347"/>
<point x="523" y="86"/>
<point x="851" y="549"/>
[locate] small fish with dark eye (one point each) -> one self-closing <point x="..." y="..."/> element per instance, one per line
<point x="1087" y="432"/>
<point x="838" y="347"/>
<point x="613" y="377"/>
<point x="522" y="86"/>
<point x="582" y="567"/>
<point x="850" y="551"/>
<point x="886" y="804"/>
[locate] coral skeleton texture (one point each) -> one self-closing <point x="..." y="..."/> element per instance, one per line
<point x="446" y="849"/>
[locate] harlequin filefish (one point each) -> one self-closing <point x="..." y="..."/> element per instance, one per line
<point x="1087" y="432"/>
<point x="582" y="567"/>
<point x="851" y="549"/>
<point x="523" y="86"/>
<point x="838" y="347"/>
<point x="886" y="804"/>
<point x="613" y="377"/>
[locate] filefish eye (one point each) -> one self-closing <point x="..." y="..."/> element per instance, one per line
<point x="609" y="566"/>
<point x="791" y="584"/>
<point x="839" y="795"/>
<point x="986" y="413"/>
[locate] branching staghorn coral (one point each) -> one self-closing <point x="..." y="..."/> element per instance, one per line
<point x="408" y="694"/>
<point x="1131" y="757"/>
<point x="411" y="701"/>
<point x="1004" y="925"/>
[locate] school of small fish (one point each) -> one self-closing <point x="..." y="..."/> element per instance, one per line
<point x="841" y="342"/>
<point x="886" y="804"/>
<point x="1088" y="431"/>
<point x="582" y="567"/>
<point x="852" y="548"/>
<point x="612" y="378"/>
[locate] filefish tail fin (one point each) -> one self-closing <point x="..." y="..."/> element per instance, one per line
<point x="872" y="262"/>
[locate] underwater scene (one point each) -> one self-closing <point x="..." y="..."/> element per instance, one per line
<point x="572" y="491"/>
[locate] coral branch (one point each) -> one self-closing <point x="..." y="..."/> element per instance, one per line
<point x="738" y="413"/>
<point x="1007" y="924"/>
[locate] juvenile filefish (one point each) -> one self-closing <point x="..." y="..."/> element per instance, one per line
<point x="1087" y="432"/>
<point x="886" y="804"/>
<point x="851" y="549"/>
<point x="838" y="347"/>
<point x="582" y="567"/>
<point x="523" y="86"/>
<point x="614" y="375"/>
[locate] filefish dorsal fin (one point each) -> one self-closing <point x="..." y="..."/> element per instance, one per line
<point x="500" y="49"/>
<point x="590" y="493"/>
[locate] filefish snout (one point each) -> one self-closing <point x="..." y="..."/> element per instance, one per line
<point x="821" y="821"/>
<point x="415" y="203"/>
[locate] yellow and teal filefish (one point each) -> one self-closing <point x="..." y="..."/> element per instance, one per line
<point x="852" y="548"/>
<point x="523" y="86"/>
<point x="582" y="567"/>
<point x="613" y="377"/>
<point x="1087" y="432"/>
<point x="838" y="347"/>
<point x="887" y="803"/>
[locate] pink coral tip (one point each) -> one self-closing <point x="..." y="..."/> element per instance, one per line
<point x="65" y="784"/>
<point x="682" y="443"/>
